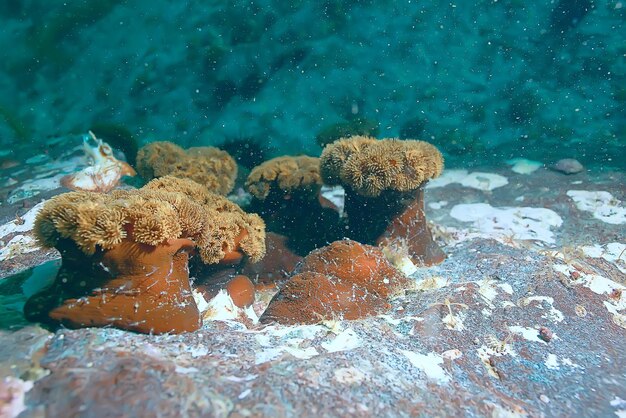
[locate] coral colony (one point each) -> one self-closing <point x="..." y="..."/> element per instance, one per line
<point x="128" y="254"/>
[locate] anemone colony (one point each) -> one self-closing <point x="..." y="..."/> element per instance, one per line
<point x="126" y="255"/>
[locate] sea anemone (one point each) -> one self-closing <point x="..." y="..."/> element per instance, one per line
<point x="125" y="255"/>
<point x="384" y="182"/>
<point x="209" y="166"/>
<point x="286" y="193"/>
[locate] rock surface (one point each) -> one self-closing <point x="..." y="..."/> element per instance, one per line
<point x="469" y="339"/>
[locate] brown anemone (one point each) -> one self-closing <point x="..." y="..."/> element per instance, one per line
<point x="384" y="185"/>
<point x="286" y="193"/>
<point x="211" y="167"/>
<point x="125" y="255"/>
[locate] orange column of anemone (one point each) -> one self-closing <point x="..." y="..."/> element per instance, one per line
<point x="399" y="224"/>
<point x="125" y="254"/>
<point x="131" y="286"/>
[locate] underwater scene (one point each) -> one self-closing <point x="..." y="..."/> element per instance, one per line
<point x="312" y="209"/>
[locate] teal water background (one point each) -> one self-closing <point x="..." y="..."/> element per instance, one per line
<point x="483" y="80"/>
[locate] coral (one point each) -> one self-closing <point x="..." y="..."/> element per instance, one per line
<point x="383" y="182"/>
<point x="209" y="166"/>
<point x="344" y="280"/>
<point x="105" y="171"/>
<point x="125" y="255"/>
<point x="286" y="193"/>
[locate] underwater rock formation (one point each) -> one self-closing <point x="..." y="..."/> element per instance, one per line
<point x="384" y="183"/>
<point x="125" y="255"/>
<point x="105" y="172"/>
<point x="286" y="193"/>
<point x="213" y="168"/>
<point x="344" y="280"/>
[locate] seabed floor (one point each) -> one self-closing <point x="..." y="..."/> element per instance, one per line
<point x="526" y="252"/>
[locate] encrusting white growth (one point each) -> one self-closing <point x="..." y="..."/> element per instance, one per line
<point x="613" y="252"/>
<point x="601" y="204"/>
<point x="523" y="166"/>
<point x="347" y="340"/>
<point x="529" y="334"/>
<point x="508" y="223"/>
<point x="26" y="223"/>
<point x="222" y="308"/>
<point x="476" y="180"/>
<point x="601" y="286"/>
<point x="552" y="361"/>
<point x="19" y="244"/>
<point x="553" y="314"/>
<point x="430" y="364"/>
<point x="349" y="375"/>
<point x="104" y="173"/>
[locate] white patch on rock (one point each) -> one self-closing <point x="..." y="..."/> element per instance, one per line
<point x="431" y="283"/>
<point x="524" y="166"/>
<point x="27" y="225"/>
<point x="396" y="321"/>
<point x="529" y="334"/>
<point x="454" y="321"/>
<point x="552" y="361"/>
<point x="476" y="180"/>
<point x="222" y="308"/>
<point x="274" y="353"/>
<point x="430" y="364"/>
<point x="336" y="195"/>
<point x="19" y="244"/>
<point x="553" y="314"/>
<point x="620" y="405"/>
<point x="186" y="370"/>
<point x="601" y="286"/>
<point x="488" y="290"/>
<point x="349" y="375"/>
<point x="438" y="205"/>
<point x="568" y="362"/>
<point x="452" y="355"/>
<point x="277" y="340"/>
<point x="347" y="340"/>
<point x="201" y="302"/>
<point x="509" y="223"/>
<point x="32" y="188"/>
<point x="601" y="204"/>
<point x="613" y="252"/>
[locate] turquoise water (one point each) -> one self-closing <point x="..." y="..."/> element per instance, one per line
<point x="483" y="80"/>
